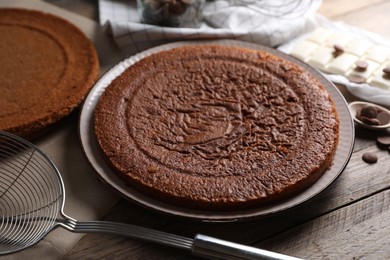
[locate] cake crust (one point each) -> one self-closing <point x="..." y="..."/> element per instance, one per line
<point x="49" y="67"/>
<point x="217" y="127"/>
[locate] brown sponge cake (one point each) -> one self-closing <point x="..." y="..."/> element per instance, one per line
<point x="47" y="67"/>
<point x="217" y="127"/>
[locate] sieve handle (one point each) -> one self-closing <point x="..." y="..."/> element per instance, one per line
<point x="202" y="245"/>
<point x="127" y="230"/>
<point x="210" y="247"/>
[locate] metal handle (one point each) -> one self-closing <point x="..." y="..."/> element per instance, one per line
<point x="202" y="245"/>
<point x="210" y="247"/>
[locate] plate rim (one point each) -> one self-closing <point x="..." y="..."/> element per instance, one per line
<point x="95" y="158"/>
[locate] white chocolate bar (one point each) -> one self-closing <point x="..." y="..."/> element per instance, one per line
<point x="321" y="57"/>
<point x="366" y="74"/>
<point x="337" y="53"/>
<point x="319" y="35"/>
<point x="358" y="47"/>
<point x="339" y="39"/>
<point x="378" y="53"/>
<point x="304" y="50"/>
<point x="380" y="79"/>
<point x="342" y="63"/>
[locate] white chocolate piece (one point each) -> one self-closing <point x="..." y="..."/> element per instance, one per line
<point x="319" y="35"/>
<point x="358" y="47"/>
<point x="321" y="57"/>
<point x="378" y="53"/>
<point x="339" y="39"/>
<point x="380" y="79"/>
<point x="372" y="66"/>
<point x="304" y="49"/>
<point x="342" y="63"/>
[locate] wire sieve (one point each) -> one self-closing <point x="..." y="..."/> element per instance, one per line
<point x="32" y="197"/>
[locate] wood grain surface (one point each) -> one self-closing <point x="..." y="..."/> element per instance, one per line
<point x="349" y="220"/>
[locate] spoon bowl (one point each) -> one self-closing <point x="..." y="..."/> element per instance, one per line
<point x="355" y="109"/>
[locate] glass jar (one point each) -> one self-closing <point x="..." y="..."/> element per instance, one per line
<point x="171" y="13"/>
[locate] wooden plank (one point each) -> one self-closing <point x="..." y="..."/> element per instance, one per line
<point x="87" y="8"/>
<point x="336" y="8"/>
<point x="368" y="15"/>
<point x="366" y="138"/>
<point x="361" y="230"/>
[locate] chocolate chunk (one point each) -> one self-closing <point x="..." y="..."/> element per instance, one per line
<point x="368" y="111"/>
<point x="356" y="79"/>
<point x="370" y="157"/>
<point x="383" y="140"/>
<point x="338" y="48"/>
<point x="368" y="114"/>
<point x="373" y="115"/>
<point x="369" y="121"/>
<point x="386" y="72"/>
<point x="383" y="117"/>
<point x="152" y="169"/>
<point x="361" y="65"/>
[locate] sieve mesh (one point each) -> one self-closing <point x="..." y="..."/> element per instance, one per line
<point x="31" y="194"/>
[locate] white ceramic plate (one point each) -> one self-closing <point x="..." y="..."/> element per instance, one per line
<point x="107" y="175"/>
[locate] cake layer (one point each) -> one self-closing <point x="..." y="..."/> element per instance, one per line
<point x="48" y="67"/>
<point x="217" y="127"/>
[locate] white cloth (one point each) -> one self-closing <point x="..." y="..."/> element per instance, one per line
<point x="266" y="22"/>
<point x="268" y="26"/>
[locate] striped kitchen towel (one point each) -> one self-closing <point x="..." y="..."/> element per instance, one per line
<point x="266" y="22"/>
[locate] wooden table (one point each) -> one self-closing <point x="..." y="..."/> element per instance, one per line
<point x="349" y="220"/>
